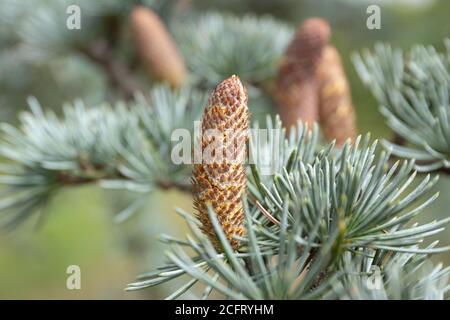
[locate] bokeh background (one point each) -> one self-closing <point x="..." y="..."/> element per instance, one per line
<point x="78" y="228"/>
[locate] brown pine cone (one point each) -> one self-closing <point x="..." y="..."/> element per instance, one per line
<point x="156" y="47"/>
<point x="220" y="180"/>
<point x="337" y="116"/>
<point x="296" y="85"/>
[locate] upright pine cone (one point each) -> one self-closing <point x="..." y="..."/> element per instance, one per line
<point x="156" y="48"/>
<point x="296" y="84"/>
<point x="337" y="116"/>
<point x="220" y="180"/>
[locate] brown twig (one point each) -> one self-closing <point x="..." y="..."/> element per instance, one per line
<point x="69" y="179"/>
<point x="398" y="139"/>
<point x="119" y="74"/>
<point x="166" y="184"/>
<point x="267" y="214"/>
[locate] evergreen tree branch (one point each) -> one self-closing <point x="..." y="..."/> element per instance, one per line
<point x="317" y="229"/>
<point x="413" y="93"/>
<point x="66" y="179"/>
<point x="248" y="46"/>
<point x="119" y="147"/>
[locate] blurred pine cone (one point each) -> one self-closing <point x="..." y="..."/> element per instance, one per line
<point x="337" y="116"/>
<point x="296" y="84"/>
<point x="220" y="180"/>
<point x="156" y="47"/>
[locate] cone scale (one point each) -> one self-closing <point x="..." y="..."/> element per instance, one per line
<point x="337" y="115"/>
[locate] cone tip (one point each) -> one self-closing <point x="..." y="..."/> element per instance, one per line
<point x="142" y="12"/>
<point x="229" y="92"/>
<point x="317" y="27"/>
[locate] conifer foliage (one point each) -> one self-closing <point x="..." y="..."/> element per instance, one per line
<point x="278" y="212"/>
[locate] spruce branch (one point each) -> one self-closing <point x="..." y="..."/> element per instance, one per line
<point x="40" y="30"/>
<point x="315" y="229"/>
<point x="118" y="147"/>
<point x="413" y="93"/>
<point x="289" y="277"/>
<point x="380" y="275"/>
<point x="358" y="191"/>
<point x="216" y="45"/>
<point x="40" y="36"/>
<point x="302" y="220"/>
<point x="273" y="149"/>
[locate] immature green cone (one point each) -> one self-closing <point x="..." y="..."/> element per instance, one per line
<point x="296" y="92"/>
<point x="156" y="47"/>
<point x="337" y="116"/>
<point x="220" y="179"/>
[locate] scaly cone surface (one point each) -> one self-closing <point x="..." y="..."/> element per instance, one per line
<point x="296" y="84"/>
<point x="156" y="47"/>
<point x="337" y="116"/>
<point x="220" y="179"/>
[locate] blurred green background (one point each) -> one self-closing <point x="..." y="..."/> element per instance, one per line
<point x="79" y="228"/>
